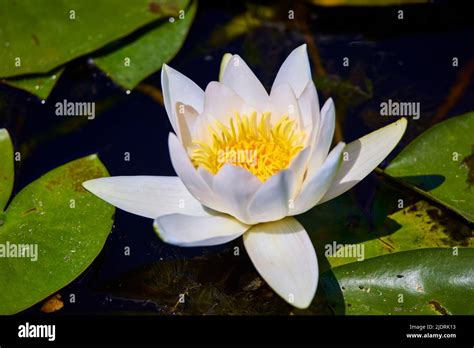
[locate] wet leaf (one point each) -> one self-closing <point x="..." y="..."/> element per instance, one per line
<point x="39" y="36"/>
<point x="40" y="85"/>
<point x="131" y="63"/>
<point x="64" y="227"/>
<point x="422" y="282"/>
<point x="440" y="164"/>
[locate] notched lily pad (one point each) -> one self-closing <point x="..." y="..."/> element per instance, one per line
<point x="131" y="63"/>
<point x="439" y="164"/>
<point x="60" y="229"/>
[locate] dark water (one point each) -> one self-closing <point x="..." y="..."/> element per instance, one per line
<point x="407" y="60"/>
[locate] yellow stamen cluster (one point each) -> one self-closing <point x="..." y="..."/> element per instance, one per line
<point x="250" y="142"/>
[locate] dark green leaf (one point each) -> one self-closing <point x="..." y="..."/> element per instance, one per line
<point x="440" y="164"/>
<point x="38" y="36"/>
<point x="68" y="225"/>
<point x="130" y="64"/>
<point x="426" y="281"/>
<point x="39" y="85"/>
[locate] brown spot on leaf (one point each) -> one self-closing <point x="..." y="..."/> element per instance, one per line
<point x="35" y="39"/>
<point x="457" y="232"/>
<point x="29" y="211"/>
<point x="154" y="7"/>
<point x="438" y="307"/>
<point x="469" y="163"/>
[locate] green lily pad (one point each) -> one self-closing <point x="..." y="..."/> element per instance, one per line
<point x="40" y="85"/>
<point x="38" y="36"/>
<point x="399" y="221"/>
<point x="63" y="228"/>
<point x="440" y="164"/>
<point x="7" y="174"/>
<point x="130" y="64"/>
<point x="421" y="282"/>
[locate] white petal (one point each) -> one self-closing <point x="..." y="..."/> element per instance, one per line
<point x="148" y="196"/>
<point x="364" y="155"/>
<point x="324" y="137"/>
<point x="309" y="106"/>
<point x="225" y="59"/>
<point x="298" y="167"/>
<point x="315" y="186"/>
<point x="295" y="71"/>
<point x="186" y="117"/>
<point x="188" y="174"/>
<point x="191" y="231"/>
<point x="235" y="187"/>
<point x="221" y="102"/>
<point x="178" y="88"/>
<point x="238" y="76"/>
<point x="283" y="102"/>
<point x="283" y="254"/>
<point x="271" y="201"/>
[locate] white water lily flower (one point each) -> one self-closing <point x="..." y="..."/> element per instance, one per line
<point x="246" y="163"/>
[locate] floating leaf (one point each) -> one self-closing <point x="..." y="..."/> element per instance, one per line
<point x="425" y="281"/>
<point x="440" y="164"/>
<point x="64" y="228"/>
<point x="342" y="234"/>
<point x="39" y="85"/>
<point x="38" y="36"/>
<point x="130" y="64"/>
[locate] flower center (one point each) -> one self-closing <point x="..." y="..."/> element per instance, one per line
<point x="250" y="142"/>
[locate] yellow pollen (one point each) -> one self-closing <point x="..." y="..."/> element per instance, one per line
<point x="250" y="142"/>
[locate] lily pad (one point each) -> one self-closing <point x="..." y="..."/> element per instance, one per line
<point x="421" y="282"/>
<point x="61" y="228"/>
<point x="130" y="64"/>
<point x="38" y="36"/>
<point x="40" y="85"/>
<point x="398" y="221"/>
<point x="440" y="164"/>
